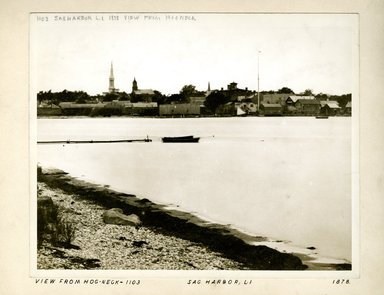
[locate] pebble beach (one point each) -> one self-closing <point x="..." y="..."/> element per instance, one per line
<point x="97" y="245"/>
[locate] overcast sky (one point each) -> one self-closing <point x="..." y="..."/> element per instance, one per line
<point x="304" y="51"/>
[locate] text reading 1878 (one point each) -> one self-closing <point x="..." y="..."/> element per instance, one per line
<point x="340" y="282"/>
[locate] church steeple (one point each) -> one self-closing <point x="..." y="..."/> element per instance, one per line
<point x="111" y="80"/>
<point x="134" y="85"/>
<point x="208" y="92"/>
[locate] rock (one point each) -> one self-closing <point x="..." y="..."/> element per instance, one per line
<point x="117" y="210"/>
<point x="39" y="171"/>
<point x="47" y="211"/>
<point x="44" y="201"/>
<point x="51" y="171"/>
<point x="139" y="243"/>
<point x="116" y="216"/>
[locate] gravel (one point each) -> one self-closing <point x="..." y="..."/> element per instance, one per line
<point x="104" y="246"/>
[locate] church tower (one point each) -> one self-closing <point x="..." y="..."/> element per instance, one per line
<point x="134" y="85"/>
<point x="208" y="92"/>
<point x="111" y="81"/>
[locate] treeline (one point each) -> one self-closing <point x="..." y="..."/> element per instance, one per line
<point x="183" y="96"/>
<point x="77" y="97"/>
<point x="213" y="100"/>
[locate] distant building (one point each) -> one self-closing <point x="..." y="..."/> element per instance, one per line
<point x="80" y="109"/>
<point x="142" y="109"/>
<point x="199" y="100"/>
<point x="111" y="88"/>
<point x="269" y="109"/>
<point x="48" y="110"/>
<point x="275" y="98"/>
<point x="235" y="93"/>
<point x="348" y="109"/>
<point x="232" y="86"/>
<point x="182" y="109"/>
<point x="134" y="85"/>
<point x="330" y="107"/>
<point x="137" y="94"/>
<point x="289" y="105"/>
<point x="133" y="108"/>
<point x="308" y="106"/>
<point x="237" y="108"/>
<point x="291" y="100"/>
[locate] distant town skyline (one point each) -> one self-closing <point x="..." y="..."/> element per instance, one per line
<point x="164" y="52"/>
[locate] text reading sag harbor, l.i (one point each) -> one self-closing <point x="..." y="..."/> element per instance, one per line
<point x="114" y="18"/>
<point x="234" y="282"/>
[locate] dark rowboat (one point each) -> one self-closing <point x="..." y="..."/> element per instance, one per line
<point x="181" y="139"/>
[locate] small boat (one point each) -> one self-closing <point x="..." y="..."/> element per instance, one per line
<point x="189" y="138"/>
<point x="321" y="117"/>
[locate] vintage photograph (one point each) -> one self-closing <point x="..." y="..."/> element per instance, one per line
<point x="194" y="141"/>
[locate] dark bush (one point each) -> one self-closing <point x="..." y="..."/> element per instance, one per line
<point x="52" y="226"/>
<point x="64" y="232"/>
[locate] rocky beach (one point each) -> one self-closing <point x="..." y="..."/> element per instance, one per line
<point x="163" y="238"/>
<point x="97" y="245"/>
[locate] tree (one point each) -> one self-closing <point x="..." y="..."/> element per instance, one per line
<point x="344" y="99"/>
<point x="308" y="92"/>
<point x="123" y="96"/>
<point x="110" y="96"/>
<point x="65" y="95"/>
<point x="267" y="92"/>
<point x="48" y="97"/>
<point x="40" y="97"/>
<point x="178" y="98"/>
<point x="321" y="96"/>
<point x="215" y="99"/>
<point x="187" y="91"/>
<point x="82" y="97"/>
<point x="285" y="90"/>
<point x="158" y="97"/>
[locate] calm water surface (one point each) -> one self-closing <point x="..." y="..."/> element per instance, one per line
<point x="284" y="178"/>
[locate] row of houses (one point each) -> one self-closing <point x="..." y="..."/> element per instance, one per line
<point x="293" y="106"/>
<point x="270" y="105"/>
<point x="120" y="108"/>
<point x="285" y="104"/>
<point x="115" y="108"/>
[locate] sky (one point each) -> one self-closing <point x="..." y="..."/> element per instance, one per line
<point x="165" y="52"/>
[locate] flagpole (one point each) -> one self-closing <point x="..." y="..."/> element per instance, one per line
<point x="258" y="82"/>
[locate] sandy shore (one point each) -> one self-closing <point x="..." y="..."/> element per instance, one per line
<point x="105" y="246"/>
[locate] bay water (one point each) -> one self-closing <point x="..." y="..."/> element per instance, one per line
<point x="285" y="178"/>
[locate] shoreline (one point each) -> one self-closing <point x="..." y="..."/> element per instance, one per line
<point x="100" y="246"/>
<point x="182" y="117"/>
<point x="230" y="243"/>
